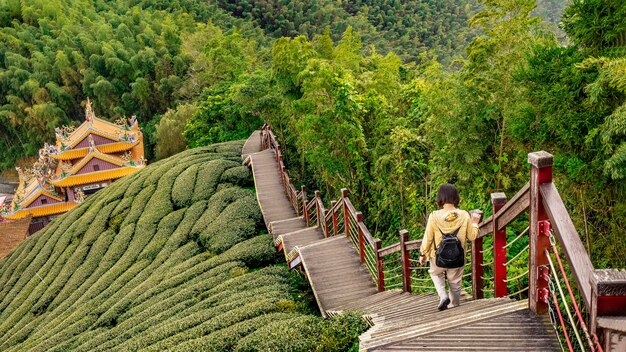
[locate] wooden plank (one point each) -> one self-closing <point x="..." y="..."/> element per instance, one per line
<point x="411" y="245"/>
<point x="389" y="249"/>
<point x="575" y="252"/>
<point x="514" y="207"/>
<point x="366" y="233"/>
<point x="485" y="227"/>
<point x="509" y="212"/>
<point x="350" y="206"/>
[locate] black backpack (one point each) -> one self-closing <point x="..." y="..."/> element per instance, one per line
<point x="450" y="253"/>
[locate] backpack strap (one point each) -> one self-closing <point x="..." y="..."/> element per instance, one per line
<point x="454" y="233"/>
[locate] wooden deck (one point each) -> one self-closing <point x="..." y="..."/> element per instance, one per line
<point x="400" y="321"/>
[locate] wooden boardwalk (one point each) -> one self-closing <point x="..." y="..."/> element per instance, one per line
<point x="399" y="321"/>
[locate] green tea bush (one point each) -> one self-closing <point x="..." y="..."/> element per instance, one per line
<point x="305" y="333"/>
<point x="296" y="334"/>
<point x="169" y="258"/>
<point x="239" y="175"/>
<point x="182" y="190"/>
<point x="225" y="339"/>
<point x="208" y="178"/>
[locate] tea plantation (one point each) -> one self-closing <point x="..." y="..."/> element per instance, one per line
<point x="170" y="258"/>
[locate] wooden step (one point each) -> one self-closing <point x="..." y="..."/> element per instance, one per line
<point x="299" y="238"/>
<point x="402" y="332"/>
<point x="280" y="227"/>
<point x="517" y="331"/>
<point x="252" y="144"/>
<point x="341" y="269"/>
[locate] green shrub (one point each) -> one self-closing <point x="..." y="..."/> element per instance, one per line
<point x="296" y="334"/>
<point x="182" y="190"/>
<point x="208" y="178"/>
<point x="239" y="175"/>
<point x="225" y="339"/>
<point x="305" y="333"/>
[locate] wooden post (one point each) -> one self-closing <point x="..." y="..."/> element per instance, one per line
<point x="498" y="200"/>
<point x="305" y="213"/>
<point x="318" y="211"/>
<point x="477" y="268"/>
<point x="540" y="172"/>
<point x="292" y="197"/>
<point x="346" y="212"/>
<point x="406" y="263"/>
<point x="379" y="265"/>
<point x="359" y="219"/>
<point x="607" y="314"/>
<point x="335" y="221"/>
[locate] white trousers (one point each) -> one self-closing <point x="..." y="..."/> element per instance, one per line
<point x="438" y="275"/>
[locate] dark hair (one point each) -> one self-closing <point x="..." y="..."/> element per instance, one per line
<point x="447" y="194"/>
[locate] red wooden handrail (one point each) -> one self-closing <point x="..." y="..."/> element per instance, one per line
<point x="509" y="212"/>
<point x="575" y="252"/>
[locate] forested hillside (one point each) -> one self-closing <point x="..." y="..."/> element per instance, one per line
<point x="170" y="258"/>
<point x="392" y="132"/>
<point x="350" y="107"/>
<point x="131" y="60"/>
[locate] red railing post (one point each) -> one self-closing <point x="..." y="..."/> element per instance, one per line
<point x="540" y="172"/>
<point x="346" y="212"/>
<point x="359" y="219"/>
<point x="305" y="213"/>
<point x="334" y="215"/>
<point x="406" y="263"/>
<point x="478" y="271"/>
<point x="318" y="211"/>
<point x="292" y="197"/>
<point x="608" y="298"/>
<point x="498" y="200"/>
<point x="379" y="266"/>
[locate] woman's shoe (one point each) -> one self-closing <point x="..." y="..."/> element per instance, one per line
<point x="443" y="304"/>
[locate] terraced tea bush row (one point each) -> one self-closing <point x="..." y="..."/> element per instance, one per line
<point x="169" y="258"/>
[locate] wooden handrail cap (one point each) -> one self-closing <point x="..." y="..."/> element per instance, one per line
<point x="609" y="282"/>
<point x="498" y="198"/>
<point x="540" y="159"/>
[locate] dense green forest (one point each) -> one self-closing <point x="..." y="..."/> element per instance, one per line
<point x="387" y="98"/>
<point x="170" y="258"/>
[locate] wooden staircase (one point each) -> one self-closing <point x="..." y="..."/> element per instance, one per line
<point x="399" y="321"/>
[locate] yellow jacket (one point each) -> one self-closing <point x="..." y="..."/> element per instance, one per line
<point x="447" y="221"/>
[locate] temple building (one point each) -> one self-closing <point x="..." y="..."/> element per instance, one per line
<point x="84" y="160"/>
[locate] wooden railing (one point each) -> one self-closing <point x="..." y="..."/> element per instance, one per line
<point x="549" y="232"/>
<point x="296" y="198"/>
<point x="603" y="292"/>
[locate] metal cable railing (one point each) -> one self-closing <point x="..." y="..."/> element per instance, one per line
<point x="574" y="325"/>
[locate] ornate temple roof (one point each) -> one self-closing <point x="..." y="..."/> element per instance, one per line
<point x="96" y="151"/>
<point x="46" y="210"/>
<point x="68" y="175"/>
<point x="116" y="137"/>
<point x="34" y="182"/>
